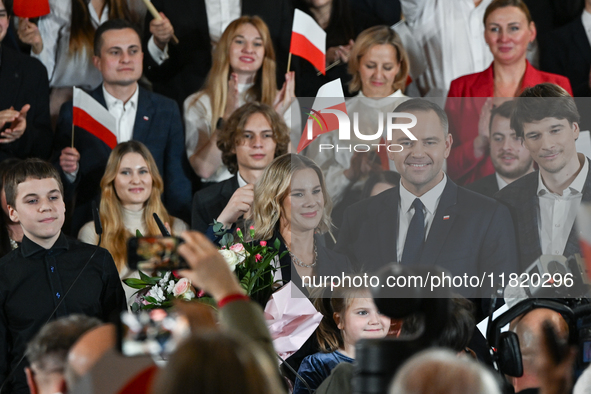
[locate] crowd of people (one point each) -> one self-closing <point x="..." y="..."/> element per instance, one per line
<point x="205" y="101"/>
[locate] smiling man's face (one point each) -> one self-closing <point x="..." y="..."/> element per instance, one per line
<point x="420" y="163"/>
<point x="551" y="142"/>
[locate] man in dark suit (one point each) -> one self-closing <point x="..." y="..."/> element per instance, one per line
<point x="567" y="52"/>
<point x="141" y="115"/>
<point x="428" y="219"/>
<point x="24" y="102"/>
<point x="178" y="70"/>
<point x="252" y="137"/>
<point x="544" y="204"/>
<point x="508" y="155"/>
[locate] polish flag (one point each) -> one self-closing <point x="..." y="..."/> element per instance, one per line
<point x="30" y="8"/>
<point x="91" y="116"/>
<point x="583" y="224"/>
<point x="308" y="40"/>
<point x="330" y="96"/>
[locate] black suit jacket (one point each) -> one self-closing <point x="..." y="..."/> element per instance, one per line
<point x="184" y="72"/>
<point x="209" y="203"/>
<point x="486" y="186"/>
<point x="521" y="198"/>
<point x="470" y="234"/>
<point x="157" y="125"/>
<point x="23" y="80"/>
<point x="567" y="52"/>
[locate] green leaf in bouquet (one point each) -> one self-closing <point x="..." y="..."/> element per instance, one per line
<point x="138" y="233"/>
<point x="135" y="283"/>
<point x="143" y="276"/>
<point x="135" y="307"/>
<point x="277" y="244"/>
<point x="218" y="228"/>
<point x="283" y="254"/>
<point x="152" y="300"/>
<point x="227" y="240"/>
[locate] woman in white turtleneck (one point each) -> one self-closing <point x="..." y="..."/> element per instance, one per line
<point x="379" y="67"/>
<point x="131" y="189"/>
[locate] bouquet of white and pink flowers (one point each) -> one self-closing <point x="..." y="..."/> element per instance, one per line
<point x="159" y="291"/>
<point x="252" y="261"/>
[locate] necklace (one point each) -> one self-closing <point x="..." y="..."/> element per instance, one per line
<point x="297" y="261"/>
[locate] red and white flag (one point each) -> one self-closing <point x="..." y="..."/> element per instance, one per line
<point x="91" y="116"/>
<point x="308" y="40"/>
<point x="329" y="97"/>
<point x="30" y="8"/>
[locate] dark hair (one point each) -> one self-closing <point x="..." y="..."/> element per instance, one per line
<point x="389" y="177"/>
<point x="504" y="111"/>
<point x="48" y="350"/>
<point x="456" y="334"/>
<point x="328" y="334"/>
<point x="8" y="7"/>
<point x="5" y="246"/>
<point x="341" y="24"/>
<point x="29" y="168"/>
<point x="545" y="100"/>
<point x="112" y="24"/>
<point x="231" y="135"/>
<point x="82" y="30"/>
<point x="420" y="104"/>
<point x="496" y="4"/>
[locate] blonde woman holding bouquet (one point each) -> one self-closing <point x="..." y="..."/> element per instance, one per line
<point x="291" y="204"/>
<point x="131" y="189"/>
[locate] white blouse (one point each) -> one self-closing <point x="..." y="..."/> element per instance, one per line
<point x="64" y="69"/>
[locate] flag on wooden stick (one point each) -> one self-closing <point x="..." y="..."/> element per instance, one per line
<point x="321" y="119"/>
<point x="91" y="116"/>
<point x="308" y="40"/>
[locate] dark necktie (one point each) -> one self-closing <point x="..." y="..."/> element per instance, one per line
<point x="415" y="237"/>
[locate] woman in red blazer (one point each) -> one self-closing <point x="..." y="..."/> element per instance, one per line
<point x="508" y="31"/>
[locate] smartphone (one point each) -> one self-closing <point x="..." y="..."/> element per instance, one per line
<point x="155" y="253"/>
<point x="156" y="333"/>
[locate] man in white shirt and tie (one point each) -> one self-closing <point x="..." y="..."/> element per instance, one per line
<point x="428" y="219"/>
<point x="544" y="204"/>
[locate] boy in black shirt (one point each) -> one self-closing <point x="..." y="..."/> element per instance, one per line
<point x="35" y="277"/>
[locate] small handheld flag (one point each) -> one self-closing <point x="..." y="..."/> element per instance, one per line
<point x="308" y="40"/>
<point x="30" y="8"/>
<point x="91" y="116"/>
<point x="329" y="97"/>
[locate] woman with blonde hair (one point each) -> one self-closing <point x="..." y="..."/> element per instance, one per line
<point x="131" y="189"/>
<point x="379" y="67"/>
<point x="291" y="204"/>
<point x="243" y="70"/>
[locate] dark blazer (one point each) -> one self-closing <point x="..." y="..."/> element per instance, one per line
<point x="184" y="72"/>
<point x="23" y="80"/>
<point x="567" y="52"/>
<point x="470" y="233"/>
<point x="157" y="125"/>
<point x="521" y="198"/>
<point x="486" y="186"/>
<point x="209" y="203"/>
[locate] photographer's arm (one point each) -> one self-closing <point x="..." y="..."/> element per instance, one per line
<point x="210" y="272"/>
